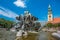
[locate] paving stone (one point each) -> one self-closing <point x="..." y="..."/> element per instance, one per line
<point x="7" y="35"/>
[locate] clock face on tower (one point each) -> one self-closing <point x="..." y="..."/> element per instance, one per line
<point x="49" y="16"/>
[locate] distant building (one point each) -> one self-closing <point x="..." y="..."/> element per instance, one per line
<point x="51" y="19"/>
<point x="50" y="16"/>
<point x="56" y="20"/>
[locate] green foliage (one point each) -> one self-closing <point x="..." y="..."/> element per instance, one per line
<point x="57" y="25"/>
<point x="52" y="25"/>
<point x="5" y="23"/>
<point x="49" y="25"/>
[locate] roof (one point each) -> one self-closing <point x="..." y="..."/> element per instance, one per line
<point x="49" y="6"/>
<point x="56" y="20"/>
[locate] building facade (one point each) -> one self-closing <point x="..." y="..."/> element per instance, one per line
<point x="50" y="16"/>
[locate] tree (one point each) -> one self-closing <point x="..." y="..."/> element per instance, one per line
<point x="5" y="23"/>
<point x="56" y="25"/>
<point x="49" y="25"/>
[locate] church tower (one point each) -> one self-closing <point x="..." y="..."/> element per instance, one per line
<point x="50" y="16"/>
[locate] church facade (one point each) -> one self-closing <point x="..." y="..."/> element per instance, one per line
<point x="51" y="19"/>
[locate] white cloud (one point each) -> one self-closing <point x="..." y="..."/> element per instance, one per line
<point x="20" y="3"/>
<point x="7" y="13"/>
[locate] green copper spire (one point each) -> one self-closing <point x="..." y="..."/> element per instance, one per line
<point x="49" y="9"/>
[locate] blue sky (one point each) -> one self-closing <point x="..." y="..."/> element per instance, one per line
<point x="9" y="9"/>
